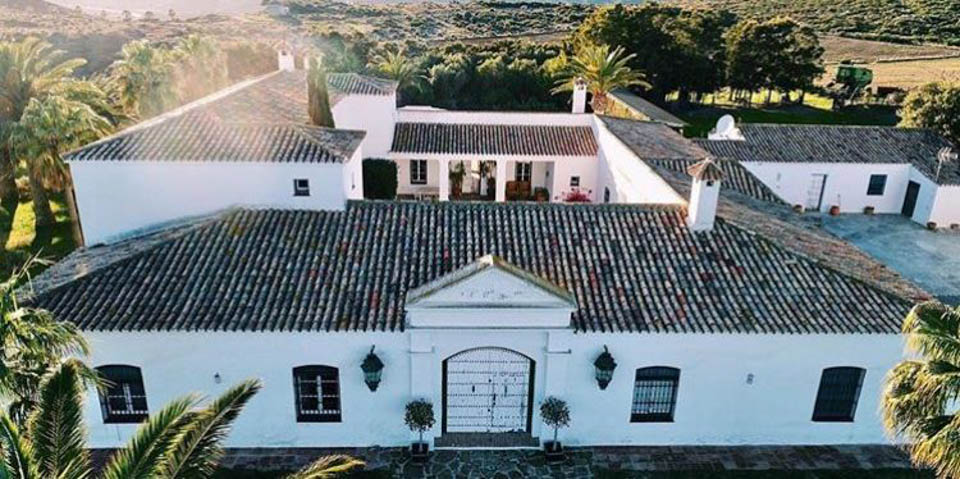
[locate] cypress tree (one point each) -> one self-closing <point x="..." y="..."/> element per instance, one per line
<point x="318" y="98"/>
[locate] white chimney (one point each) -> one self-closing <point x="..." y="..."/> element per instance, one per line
<point x="702" y="211"/>
<point x="285" y="58"/>
<point x="579" y="96"/>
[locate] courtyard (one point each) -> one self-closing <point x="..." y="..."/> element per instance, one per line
<point x="931" y="259"/>
<point x="678" y="462"/>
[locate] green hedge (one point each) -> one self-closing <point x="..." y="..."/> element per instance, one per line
<point x="379" y="179"/>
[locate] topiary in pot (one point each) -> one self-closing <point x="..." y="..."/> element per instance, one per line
<point x="419" y="418"/>
<point x="556" y="414"/>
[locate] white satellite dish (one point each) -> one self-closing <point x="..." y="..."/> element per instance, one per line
<point x="726" y="125"/>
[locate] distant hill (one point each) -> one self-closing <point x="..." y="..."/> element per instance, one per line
<point x="183" y="8"/>
<point x="934" y="21"/>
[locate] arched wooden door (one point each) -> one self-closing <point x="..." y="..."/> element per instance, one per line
<point x="487" y="390"/>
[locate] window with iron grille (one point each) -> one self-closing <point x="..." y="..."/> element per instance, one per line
<point x="418" y="172"/>
<point x="655" y="394"/>
<point x="523" y="171"/>
<point x="317" y="393"/>
<point x="124" y="399"/>
<point x="878" y="183"/>
<point x="838" y="394"/>
<point x="606" y="195"/>
<point x="574" y="181"/>
<point x="301" y="187"/>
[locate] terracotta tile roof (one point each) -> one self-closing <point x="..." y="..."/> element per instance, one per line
<point x="653" y="141"/>
<point x="643" y="107"/>
<point x="837" y="144"/>
<point x="630" y="268"/>
<point x="800" y="234"/>
<point x="260" y="120"/>
<point x="481" y="139"/>
<point x="356" y="84"/>
<point x="198" y="138"/>
<point x="735" y="177"/>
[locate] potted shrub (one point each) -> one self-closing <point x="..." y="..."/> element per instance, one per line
<point x="834" y="210"/>
<point x="931" y="225"/>
<point x="456" y="175"/>
<point x="419" y="418"/>
<point x="798" y="208"/>
<point x="555" y="414"/>
<point x="869" y="210"/>
<point x="541" y="194"/>
<point x="577" y="196"/>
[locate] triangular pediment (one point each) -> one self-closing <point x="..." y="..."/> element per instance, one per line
<point x="490" y="282"/>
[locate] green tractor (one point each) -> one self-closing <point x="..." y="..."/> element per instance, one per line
<point x="849" y="83"/>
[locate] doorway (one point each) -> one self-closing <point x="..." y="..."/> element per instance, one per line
<point x="818" y="181"/>
<point x="487" y="390"/>
<point x="910" y="200"/>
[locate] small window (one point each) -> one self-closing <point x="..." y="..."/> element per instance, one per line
<point x="523" y="171"/>
<point x="606" y="195"/>
<point x="301" y="187"/>
<point x="124" y="399"/>
<point x="878" y="183"/>
<point x="418" y="172"/>
<point x="655" y="394"/>
<point x="574" y="181"/>
<point x="317" y="393"/>
<point x="838" y="394"/>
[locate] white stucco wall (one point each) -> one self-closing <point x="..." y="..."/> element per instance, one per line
<point x="374" y="114"/>
<point x="846" y="184"/>
<point x="946" y="207"/>
<point x="629" y="178"/>
<point x="715" y="404"/>
<point x="117" y="197"/>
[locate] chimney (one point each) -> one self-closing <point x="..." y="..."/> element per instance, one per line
<point x="285" y="58"/>
<point x="704" y="195"/>
<point x="579" y="96"/>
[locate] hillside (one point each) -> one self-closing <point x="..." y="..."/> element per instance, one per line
<point x="934" y="21"/>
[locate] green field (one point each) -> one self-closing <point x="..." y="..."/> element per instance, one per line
<point x="19" y="240"/>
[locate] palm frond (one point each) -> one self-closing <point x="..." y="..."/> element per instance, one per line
<point x="328" y="467"/>
<point x="143" y="454"/>
<point x="196" y="450"/>
<point x="56" y="426"/>
<point x="18" y="457"/>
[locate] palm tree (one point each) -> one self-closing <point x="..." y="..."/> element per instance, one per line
<point x="30" y="68"/>
<point x="144" y="75"/>
<point x="48" y="128"/>
<point x="602" y="70"/>
<point x="199" y="67"/>
<point x="31" y="342"/>
<point x="181" y="441"/>
<point x="920" y="395"/>
<point x="395" y="65"/>
<point x="318" y="102"/>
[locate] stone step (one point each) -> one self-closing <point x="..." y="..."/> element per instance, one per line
<point x="486" y="440"/>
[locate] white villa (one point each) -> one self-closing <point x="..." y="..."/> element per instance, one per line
<point x="913" y="172"/>
<point x="229" y="239"/>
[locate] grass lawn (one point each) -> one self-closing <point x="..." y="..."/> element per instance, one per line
<point x="702" y="119"/>
<point x="19" y="239"/>
<point x="773" y="474"/>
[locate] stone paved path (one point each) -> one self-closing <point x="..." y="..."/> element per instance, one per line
<point x="583" y="463"/>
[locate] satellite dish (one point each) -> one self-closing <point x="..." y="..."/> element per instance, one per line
<point x="726" y="125"/>
<point x="945" y="155"/>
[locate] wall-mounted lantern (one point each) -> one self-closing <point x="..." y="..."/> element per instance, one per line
<point x="372" y="370"/>
<point x="604" y="366"/>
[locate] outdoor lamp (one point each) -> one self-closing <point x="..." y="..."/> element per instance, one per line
<point x="372" y="370"/>
<point x="604" y="366"/>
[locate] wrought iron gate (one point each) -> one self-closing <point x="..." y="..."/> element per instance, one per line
<point x="487" y="390"/>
